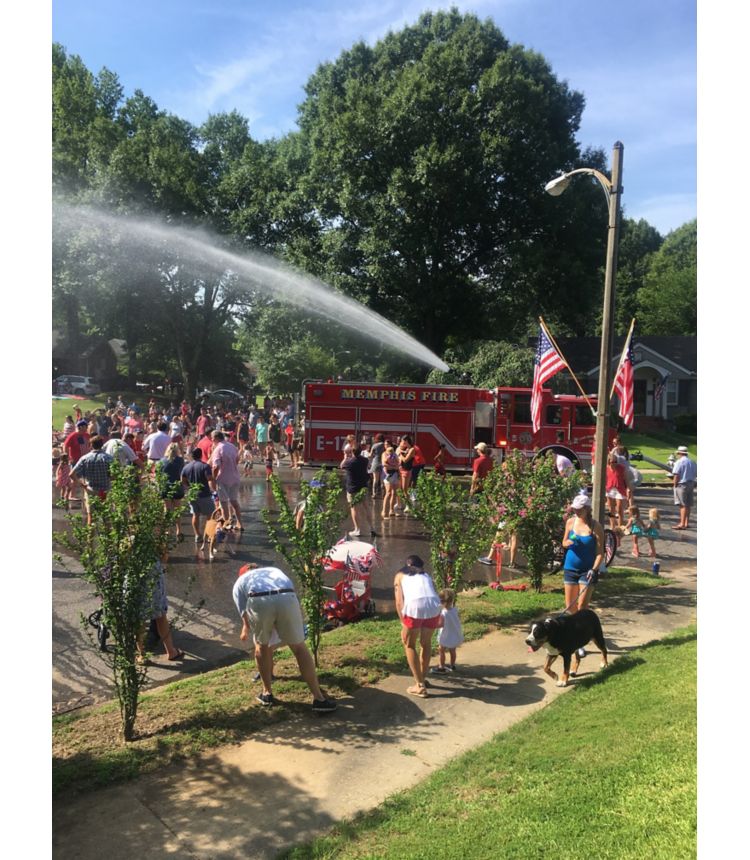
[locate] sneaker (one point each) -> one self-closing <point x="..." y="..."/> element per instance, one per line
<point x="451" y="668"/>
<point x="266" y="699"/>
<point x="324" y="706"/>
<point x="581" y="652"/>
<point x="197" y="538"/>
<point x="438" y="670"/>
<point x="355" y="533"/>
<point x="486" y="560"/>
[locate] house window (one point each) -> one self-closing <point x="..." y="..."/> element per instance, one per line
<point x="672" y="392"/>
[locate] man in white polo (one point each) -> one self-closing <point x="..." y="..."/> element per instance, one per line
<point x="265" y="599"/>
<point x="155" y="444"/>
<point x="684" y="476"/>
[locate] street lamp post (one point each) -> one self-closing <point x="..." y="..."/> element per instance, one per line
<point x="612" y="191"/>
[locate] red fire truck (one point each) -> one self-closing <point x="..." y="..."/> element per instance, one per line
<point x="458" y="416"/>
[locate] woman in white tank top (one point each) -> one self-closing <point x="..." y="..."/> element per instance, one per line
<point x="418" y="606"/>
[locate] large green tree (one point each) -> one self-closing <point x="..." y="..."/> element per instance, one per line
<point x="667" y="302"/>
<point x="424" y="160"/>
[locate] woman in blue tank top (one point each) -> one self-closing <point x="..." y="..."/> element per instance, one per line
<point x="584" y="544"/>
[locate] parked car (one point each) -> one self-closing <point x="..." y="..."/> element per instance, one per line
<point x="81" y="385"/>
<point x="222" y="396"/>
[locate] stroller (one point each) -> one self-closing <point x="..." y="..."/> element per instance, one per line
<point x="351" y="600"/>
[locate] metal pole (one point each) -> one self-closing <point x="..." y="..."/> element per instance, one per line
<point x="605" y="360"/>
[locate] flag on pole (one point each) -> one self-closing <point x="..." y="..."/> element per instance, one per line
<point x="547" y="363"/>
<point x="660" y="386"/>
<point x="623" y="386"/>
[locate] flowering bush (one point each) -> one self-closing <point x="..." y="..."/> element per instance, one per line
<point x="531" y="499"/>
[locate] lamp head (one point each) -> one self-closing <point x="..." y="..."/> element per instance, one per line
<point x="555" y="187"/>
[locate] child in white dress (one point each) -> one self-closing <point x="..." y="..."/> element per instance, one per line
<point x="450" y="635"/>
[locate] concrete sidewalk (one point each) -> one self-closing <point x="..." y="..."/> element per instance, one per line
<point x="295" y="780"/>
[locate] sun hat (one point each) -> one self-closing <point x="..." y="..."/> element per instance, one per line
<point x="683" y="449"/>
<point x="481" y="447"/>
<point x="580" y="501"/>
<point x="82" y="423"/>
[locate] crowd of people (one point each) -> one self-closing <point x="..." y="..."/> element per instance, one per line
<point x="211" y="448"/>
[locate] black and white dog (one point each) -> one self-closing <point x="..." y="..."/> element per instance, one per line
<point x="562" y="635"/>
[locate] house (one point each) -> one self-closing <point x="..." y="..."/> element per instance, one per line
<point x="98" y="358"/>
<point x="665" y="374"/>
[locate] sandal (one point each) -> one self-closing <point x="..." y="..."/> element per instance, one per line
<point x="180" y="655"/>
<point x="418" y="691"/>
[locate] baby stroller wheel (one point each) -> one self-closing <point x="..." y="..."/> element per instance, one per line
<point x="96" y="619"/>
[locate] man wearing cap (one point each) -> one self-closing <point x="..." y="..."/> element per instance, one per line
<point x="684" y="476"/>
<point x="265" y="598"/>
<point x="482" y="466"/>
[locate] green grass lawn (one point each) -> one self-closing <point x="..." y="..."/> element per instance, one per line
<point x="659" y="446"/>
<point x="606" y="771"/>
<point x="61" y="408"/>
<point x="218" y="707"/>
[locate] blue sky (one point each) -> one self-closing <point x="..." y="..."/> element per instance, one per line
<point x="635" y="61"/>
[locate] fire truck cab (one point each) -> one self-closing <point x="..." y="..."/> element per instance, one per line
<point x="457" y="416"/>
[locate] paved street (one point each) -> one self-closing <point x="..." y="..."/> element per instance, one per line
<point x="200" y="591"/>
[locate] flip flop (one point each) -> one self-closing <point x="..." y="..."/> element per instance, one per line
<point x="180" y="655"/>
<point x="420" y="692"/>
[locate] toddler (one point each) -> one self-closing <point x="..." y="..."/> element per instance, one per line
<point x="269" y="458"/>
<point x="62" y="478"/>
<point x="450" y="635"/>
<point x="247" y="459"/>
<point x="637" y="528"/>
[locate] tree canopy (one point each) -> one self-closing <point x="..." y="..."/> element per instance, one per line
<point x="413" y="183"/>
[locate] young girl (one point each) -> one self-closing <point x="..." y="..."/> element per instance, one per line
<point x="439" y="460"/>
<point x="636" y="527"/>
<point x="62" y="478"/>
<point x="247" y="459"/>
<point x="652" y="529"/>
<point x="450" y="635"/>
<point x="269" y="458"/>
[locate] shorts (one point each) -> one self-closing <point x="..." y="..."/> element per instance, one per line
<point x="391" y="479"/>
<point x="417" y="623"/>
<point x="579" y="577"/>
<point x="615" y="494"/>
<point x="684" y="494"/>
<point x="202" y="506"/>
<point x="280" y="611"/>
<point x="228" y="493"/>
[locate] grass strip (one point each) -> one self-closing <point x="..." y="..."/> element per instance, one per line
<point x="187" y="717"/>
<point x="606" y="771"/>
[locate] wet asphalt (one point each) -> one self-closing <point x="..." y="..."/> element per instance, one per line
<point x="205" y="621"/>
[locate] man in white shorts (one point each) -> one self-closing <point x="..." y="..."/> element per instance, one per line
<point x="265" y="599"/>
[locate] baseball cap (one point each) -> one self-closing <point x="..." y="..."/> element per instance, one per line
<point x="682" y="449"/>
<point x="580" y="501"/>
<point x="481" y="447"/>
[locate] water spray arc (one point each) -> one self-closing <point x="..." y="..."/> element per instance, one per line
<point x="254" y="271"/>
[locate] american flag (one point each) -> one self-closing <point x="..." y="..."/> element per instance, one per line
<point x="623" y="386"/>
<point x="547" y="363"/>
<point x="660" y="386"/>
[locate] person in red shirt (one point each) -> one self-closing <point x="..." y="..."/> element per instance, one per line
<point x="482" y="466"/>
<point x="616" y="489"/>
<point x="206" y="444"/>
<point x="76" y="444"/>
